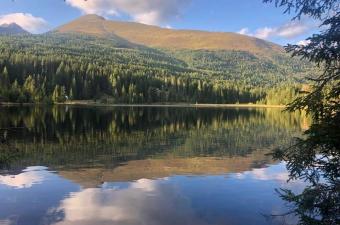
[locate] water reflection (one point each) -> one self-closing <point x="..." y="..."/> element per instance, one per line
<point x="79" y="137"/>
<point x="25" y="179"/>
<point x="217" y="199"/>
<point x="153" y="166"/>
<point x="141" y="202"/>
<point x="24" y="201"/>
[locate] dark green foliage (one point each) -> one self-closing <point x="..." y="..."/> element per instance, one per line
<point x="313" y="8"/>
<point x="86" y="67"/>
<point x="282" y="95"/>
<point x="316" y="157"/>
<point x="254" y="70"/>
<point x="8" y="153"/>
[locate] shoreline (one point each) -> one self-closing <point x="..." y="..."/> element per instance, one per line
<point x="177" y="105"/>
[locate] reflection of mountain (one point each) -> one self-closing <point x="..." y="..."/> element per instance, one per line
<point x="70" y="137"/>
<point x="158" y="168"/>
<point x="105" y="162"/>
<point x="12" y="29"/>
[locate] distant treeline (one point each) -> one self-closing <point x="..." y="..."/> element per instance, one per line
<point x="56" y="68"/>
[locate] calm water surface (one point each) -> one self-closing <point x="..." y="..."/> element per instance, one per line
<point x="148" y="166"/>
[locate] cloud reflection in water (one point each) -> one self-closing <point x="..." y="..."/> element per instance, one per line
<point x="39" y="196"/>
<point x="145" y="201"/>
<point x="29" y="177"/>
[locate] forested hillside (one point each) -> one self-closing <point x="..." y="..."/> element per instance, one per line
<point x="55" y="67"/>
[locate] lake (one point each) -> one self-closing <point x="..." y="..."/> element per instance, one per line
<point x="144" y="165"/>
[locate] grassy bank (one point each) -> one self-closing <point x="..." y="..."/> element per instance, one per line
<point x="94" y="103"/>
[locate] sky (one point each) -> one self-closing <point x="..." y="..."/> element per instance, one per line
<point x="249" y="17"/>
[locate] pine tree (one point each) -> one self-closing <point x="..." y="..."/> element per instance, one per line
<point x="4" y="79"/>
<point x="59" y="94"/>
<point x="55" y="95"/>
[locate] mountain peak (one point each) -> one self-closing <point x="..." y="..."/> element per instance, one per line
<point x="12" y="29"/>
<point x="9" y="25"/>
<point x="153" y="36"/>
<point x="92" y="17"/>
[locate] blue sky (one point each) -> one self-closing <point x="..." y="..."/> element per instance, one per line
<point x="250" y="17"/>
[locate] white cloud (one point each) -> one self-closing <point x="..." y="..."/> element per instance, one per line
<point x="264" y="32"/>
<point x="154" y="12"/>
<point x="244" y="31"/>
<point x="303" y="42"/>
<point x="26" y="21"/>
<point x="288" y="30"/>
<point x="292" y="29"/>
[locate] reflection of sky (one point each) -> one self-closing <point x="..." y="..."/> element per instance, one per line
<point x="28" y="177"/>
<point x="277" y="173"/>
<point x="145" y="201"/>
<point x="26" y="202"/>
<point x="235" y="199"/>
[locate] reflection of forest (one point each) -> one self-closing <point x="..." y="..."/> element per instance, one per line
<point x="73" y="137"/>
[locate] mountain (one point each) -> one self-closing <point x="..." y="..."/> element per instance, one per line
<point x="124" y="62"/>
<point x="230" y="55"/>
<point x="12" y="29"/>
<point x="157" y="37"/>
